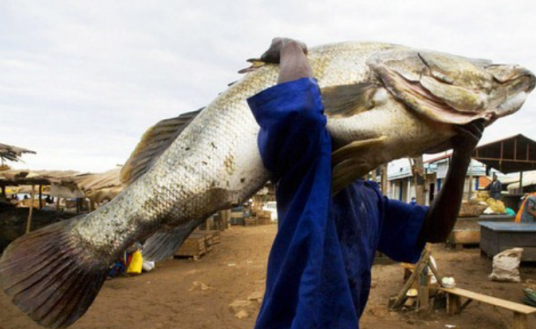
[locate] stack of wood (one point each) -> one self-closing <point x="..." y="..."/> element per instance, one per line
<point x="250" y="221"/>
<point x="264" y="217"/>
<point x="237" y="217"/>
<point x="216" y="237"/>
<point x="198" y="244"/>
<point x="258" y="203"/>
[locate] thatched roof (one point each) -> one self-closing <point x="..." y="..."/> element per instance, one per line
<point x="16" y="177"/>
<point x="62" y="182"/>
<point x="12" y="153"/>
<point x="100" y="187"/>
<point x="68" y="184"/>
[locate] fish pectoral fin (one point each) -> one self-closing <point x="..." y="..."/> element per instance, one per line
<point x="355" y="149"/>
<point x="52" y="277"/>
<point x="349" y="162"/>
<point x="164" y="244"/>
<point x="348" y="100"/>
<point x="153" y="143"/>
<point x="347" y="172"/>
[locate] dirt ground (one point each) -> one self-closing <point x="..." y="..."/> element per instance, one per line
<point x="189" y="294"/>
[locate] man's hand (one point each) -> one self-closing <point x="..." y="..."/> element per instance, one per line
<point x="468" y="137"/>
<point x="273" y="54"/>
<point x="292" y="59"/>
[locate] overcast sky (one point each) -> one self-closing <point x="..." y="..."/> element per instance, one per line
<point x="80" y="81"/>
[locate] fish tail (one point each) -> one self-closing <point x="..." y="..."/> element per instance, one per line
<point x="51" y="275"/>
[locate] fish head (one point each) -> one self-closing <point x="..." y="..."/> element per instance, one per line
<point x="452" y="89"/>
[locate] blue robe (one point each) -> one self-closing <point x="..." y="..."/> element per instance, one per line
<point x="319" y="266"/>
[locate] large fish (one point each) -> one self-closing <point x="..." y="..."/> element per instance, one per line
<point x="382" y="101"/>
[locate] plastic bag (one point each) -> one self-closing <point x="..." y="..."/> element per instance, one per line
<point x="136" y="263"/>
<point x="506" y="265"/>
<point x="148" y="266"/>
<point x="496" y="205"/>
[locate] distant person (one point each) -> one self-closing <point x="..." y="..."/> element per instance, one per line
<point x="527" y="211"/>
<point x="413" y="201"/>
<point x="494" y="188"/>
<point x="49" y="200"/>
<point x="26" y="197"/>
<point x="14" y="199"/>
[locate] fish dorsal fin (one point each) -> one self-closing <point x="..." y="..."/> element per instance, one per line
<point x="348" y="100"/>
<point x="153" y="143"/>
<point x="255" y="64"/>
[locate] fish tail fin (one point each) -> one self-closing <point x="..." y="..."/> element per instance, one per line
<point x="164" y="244"/>
<point x="51" y="276"/>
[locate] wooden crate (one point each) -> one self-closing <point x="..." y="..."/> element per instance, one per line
<point x="497" y="237"/>
<point x="194" y="246"/>
<point x="250" y="221"/>
<point x="264" y="217"/>
<point x="209" y="240"/>
<point x="216" y="237"/>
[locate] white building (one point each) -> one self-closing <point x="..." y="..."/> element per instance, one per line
<point x="401" y="182"/>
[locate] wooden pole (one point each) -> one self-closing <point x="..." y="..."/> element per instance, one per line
<point x="29" y="221"/>
<point x="384" y="182"/>
<point x="373" y="176"/>
<point x="470" y="180"/>
<point x="58" y="204"/>
<point x="421" y="264"/>
<point x="424" y="289"/>
<point x="419" y="180"/>
<point x="521" y="182"/>
<point x="40" y="196"/>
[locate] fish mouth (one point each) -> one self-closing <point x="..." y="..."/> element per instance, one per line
<point x="515" y="84"/>
<point x="513" y="74"/>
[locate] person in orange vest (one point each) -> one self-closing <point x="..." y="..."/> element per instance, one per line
<point x="527" y="211"/>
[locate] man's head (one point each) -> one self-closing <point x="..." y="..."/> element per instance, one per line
<point x="494" y="177"/>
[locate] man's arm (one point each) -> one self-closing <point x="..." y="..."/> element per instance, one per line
<point x="443" y="211"/>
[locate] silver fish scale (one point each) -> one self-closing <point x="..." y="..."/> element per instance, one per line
<point x="215" y="161"/>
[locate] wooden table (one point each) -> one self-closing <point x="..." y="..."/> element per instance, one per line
<point x="497" y="237"/>
<point x="467" y="231"/>
<point x="454" y="305"/>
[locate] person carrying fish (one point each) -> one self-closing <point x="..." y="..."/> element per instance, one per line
<point x="319" y="269"/>
<point x="382" y="102"/>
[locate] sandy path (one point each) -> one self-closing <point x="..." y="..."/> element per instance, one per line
<point x="187" y="294"/>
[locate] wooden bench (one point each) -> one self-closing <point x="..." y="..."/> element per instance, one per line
<point x="455" y="306"/>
